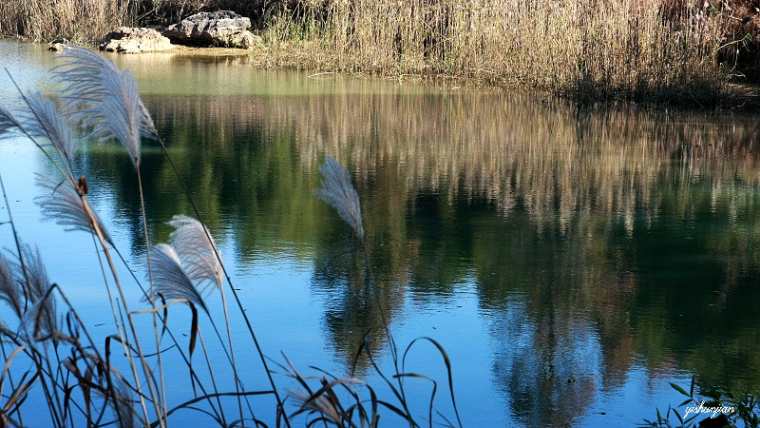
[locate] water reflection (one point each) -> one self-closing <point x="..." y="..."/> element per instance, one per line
<point x="597" y="242"/>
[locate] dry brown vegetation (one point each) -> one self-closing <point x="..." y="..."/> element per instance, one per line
<point x="650" y="50"/>
<point x="634" y="49"/>
<point x="90" y="20"/>
<point x="78" y="20"/>
<point x="589" y="47"/>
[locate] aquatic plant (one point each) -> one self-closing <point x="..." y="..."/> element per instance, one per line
<point x="10" y="293"/>
<point x="62" y="203"/>
<point x="77" y="20"/>
<point x="7" y="122"/>
<point x="81" y="213"/>
<point x="197" y="248"/>
<point x="104" y="99"/>
<point x="41" y="316"/>
<point x="43" y="120"/>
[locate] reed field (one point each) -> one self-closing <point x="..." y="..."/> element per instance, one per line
<point x="76" y="20"/>
<point x="587" y="47"/>
<point x="645" y="50"/>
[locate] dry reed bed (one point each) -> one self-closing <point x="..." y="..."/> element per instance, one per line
<point x="596" y="48"/>
<point x="77" y="20"/>
<point x="587" y="48"/>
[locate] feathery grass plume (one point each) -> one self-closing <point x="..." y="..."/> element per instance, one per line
<point x="338" y="192"/>
<point x="45" y="120"/>
<point x="104" y="99"/>
<point x="201" y="261"/>
<point x="320" y="404"/>
<point x="41" y="316"/>
<point x="9" y="290"/>
<point x="197" y="251"/>
<point x="169" y="278"/>
<point x="63" y="204"/>
<point x="7" y="122"/>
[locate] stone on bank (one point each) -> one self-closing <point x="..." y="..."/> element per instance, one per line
<point x="135" y="40"/>
<point x="223" y="28"/>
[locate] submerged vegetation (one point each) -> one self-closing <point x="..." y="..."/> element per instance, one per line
<point x="675" y="51"/>
<point x="85" y="379"/>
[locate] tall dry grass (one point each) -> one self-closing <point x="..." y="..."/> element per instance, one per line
<point x="637" y="49"/>
<point x="78" y="20"/>
<point x="90" y="20"/>
<point x="592" y="47"/>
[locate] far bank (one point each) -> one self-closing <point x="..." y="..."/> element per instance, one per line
<point x="668" y="52"/>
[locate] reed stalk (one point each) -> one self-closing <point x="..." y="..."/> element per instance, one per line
<point x="143" y="215"/>
<point x="238" y="302"/>
<point x="20" y="252"/>
<point x="122" y="297"/>
<point x="95" y="225"/>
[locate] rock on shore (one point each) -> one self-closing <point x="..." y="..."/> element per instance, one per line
<point x="223" y="28"/>
<point x="135" y="40"/>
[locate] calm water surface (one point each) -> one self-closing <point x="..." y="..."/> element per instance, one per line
<point x="573" y="263"/>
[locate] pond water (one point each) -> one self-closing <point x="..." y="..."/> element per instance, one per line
<point x="572" y="262"/>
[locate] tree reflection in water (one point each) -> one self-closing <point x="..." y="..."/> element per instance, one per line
<point x="597" y="240"/>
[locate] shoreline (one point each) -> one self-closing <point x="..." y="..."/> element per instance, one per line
<point x="732" y="97"/>
<point x="729" y="97"/>
<point x="661" y="53"/>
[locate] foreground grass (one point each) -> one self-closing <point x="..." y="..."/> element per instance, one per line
<point x="119" y="379"/>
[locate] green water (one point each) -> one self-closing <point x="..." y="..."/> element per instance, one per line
<point x="572" y="261"/>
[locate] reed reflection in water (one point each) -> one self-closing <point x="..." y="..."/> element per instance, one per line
<point x="598" y="243"/>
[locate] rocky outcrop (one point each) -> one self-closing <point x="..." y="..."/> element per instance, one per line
<point x="223" y="28"/>
<point x="135" y="40"/>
